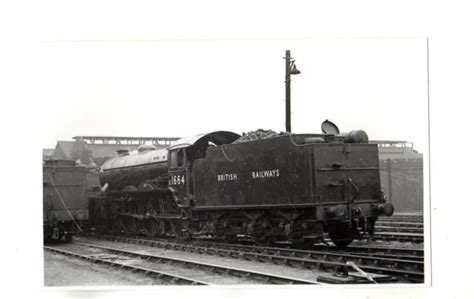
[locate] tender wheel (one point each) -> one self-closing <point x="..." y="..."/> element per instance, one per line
<point x="223" y="230"/>
<point x="340" y="234"/>
<point x="259" y="231"/>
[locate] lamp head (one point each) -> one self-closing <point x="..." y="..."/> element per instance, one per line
<point x="294" y="70"/>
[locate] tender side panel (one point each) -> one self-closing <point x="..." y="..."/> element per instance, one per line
<point x="259" y="173"/>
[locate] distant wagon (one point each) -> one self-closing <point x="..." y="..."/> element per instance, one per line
<point x="65" y="191"/>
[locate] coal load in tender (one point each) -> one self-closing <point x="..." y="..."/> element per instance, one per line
<point x="258" y="135"/>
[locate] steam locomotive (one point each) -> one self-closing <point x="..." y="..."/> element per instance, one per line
<point x="293" y="188"/>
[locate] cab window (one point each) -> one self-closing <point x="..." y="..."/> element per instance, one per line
<point x="176" y="159"/>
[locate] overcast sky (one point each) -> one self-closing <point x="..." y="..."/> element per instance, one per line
<point x="185" y="87"/>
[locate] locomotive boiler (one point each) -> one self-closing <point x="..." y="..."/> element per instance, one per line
<point x="290" y="188"/>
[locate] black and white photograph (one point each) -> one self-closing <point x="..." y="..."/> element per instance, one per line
<point x="237" y="150"/>
<point x="229" y="162"/>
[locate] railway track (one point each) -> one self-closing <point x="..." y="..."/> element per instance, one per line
<point x="399" y="224"/>
<point x="374" y="263"/>
<point x="377" y="251"/>
<point x="382" y="252"/>
<point x="403" y="269"/>
<point x="179" y="271"/>
<point x="402" y="218"/>
<point x="399" y="237"/>
<point x="398" y="229"/>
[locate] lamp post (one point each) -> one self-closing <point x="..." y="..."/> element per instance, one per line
<point x="290" y="69"/>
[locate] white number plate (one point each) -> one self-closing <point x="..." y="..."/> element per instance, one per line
<point x="177" y="179"/>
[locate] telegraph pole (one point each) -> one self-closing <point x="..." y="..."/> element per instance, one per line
<point x="290" y="69"/>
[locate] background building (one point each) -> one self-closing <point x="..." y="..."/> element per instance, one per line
<point x="401" y="174"/>
<point x="48" y="153"/>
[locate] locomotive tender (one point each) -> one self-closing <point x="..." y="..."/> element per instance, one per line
<point x="287" y="188"/>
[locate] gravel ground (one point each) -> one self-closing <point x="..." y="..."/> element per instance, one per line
<point x="61" y="270"/>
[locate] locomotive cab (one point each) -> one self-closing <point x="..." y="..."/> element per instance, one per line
<point x="181" y="157"/>
<point x="179" y="176"/>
